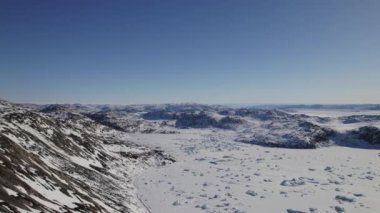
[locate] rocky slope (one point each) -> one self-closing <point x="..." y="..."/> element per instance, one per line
<point x="62" y="161"/>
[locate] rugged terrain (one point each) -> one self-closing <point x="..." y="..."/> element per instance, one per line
<point x="57" y="160"/>
<point x="90" y="158"/>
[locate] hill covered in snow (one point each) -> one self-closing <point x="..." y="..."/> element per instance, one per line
<point x="58" y="160"/>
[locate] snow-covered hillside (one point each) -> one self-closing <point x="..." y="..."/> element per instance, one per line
<point x="63" y="161"/>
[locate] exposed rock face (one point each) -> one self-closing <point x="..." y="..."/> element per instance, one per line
<point x="262" y="114"/>
<point x="370" y="134"/>
<point x="123" y="121"/>
<point x="21" y="169"/>
<point x="195" y="120"/>
<point x="207" y="120"/>
<point x="230" y="122"/>
<point x="290" y="134"/>
<point x="159" y="115"/>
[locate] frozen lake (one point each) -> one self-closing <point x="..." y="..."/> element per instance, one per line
<point x="215" y="174"/>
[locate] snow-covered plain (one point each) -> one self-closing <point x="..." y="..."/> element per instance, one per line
<point x="214" y="173"/>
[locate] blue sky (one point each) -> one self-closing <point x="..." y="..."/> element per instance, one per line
<point x="206" y="51"/>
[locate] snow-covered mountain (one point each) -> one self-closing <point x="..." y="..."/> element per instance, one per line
<point x="83" y="158"/>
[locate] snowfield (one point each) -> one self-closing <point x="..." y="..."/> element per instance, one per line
<point x="215" y="174"/>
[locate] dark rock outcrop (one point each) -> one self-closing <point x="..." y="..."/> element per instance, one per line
<point x="369" y="134"/>
<point x="195" y="120"/>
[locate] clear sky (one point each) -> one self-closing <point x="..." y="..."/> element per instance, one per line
<point x="206" y="51"/>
